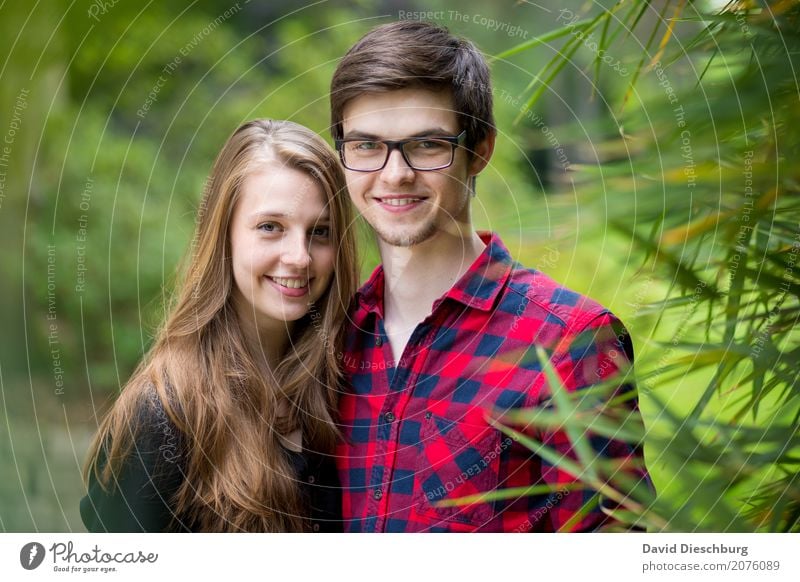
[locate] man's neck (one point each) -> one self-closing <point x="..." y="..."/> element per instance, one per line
<point x="415" y="277"/>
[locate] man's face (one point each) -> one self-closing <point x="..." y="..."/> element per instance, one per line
<point x="406" y="207"/>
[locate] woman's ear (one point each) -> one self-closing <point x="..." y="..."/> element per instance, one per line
<point x="481" y="154"/>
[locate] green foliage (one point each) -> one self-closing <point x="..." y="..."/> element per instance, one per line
<point x="706" y="143"/>
<point x="148" y="95"/>
<point x="151" y="97"/>
<point x="126" y="113"/>
<point x="717" y="350"/>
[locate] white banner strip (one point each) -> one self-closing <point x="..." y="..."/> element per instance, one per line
<point x="427" y="557"/>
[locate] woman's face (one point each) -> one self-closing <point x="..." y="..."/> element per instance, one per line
<point x="282" y="254"/>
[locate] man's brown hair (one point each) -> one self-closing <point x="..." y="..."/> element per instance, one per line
<point x="413" y="54"/>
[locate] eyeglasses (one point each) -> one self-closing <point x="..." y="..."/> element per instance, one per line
<point x="420" y="153"/>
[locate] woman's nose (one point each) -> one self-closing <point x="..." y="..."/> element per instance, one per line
<point x="295" y="251"/>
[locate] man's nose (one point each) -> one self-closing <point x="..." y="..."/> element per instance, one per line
<point x="397" y="170"/>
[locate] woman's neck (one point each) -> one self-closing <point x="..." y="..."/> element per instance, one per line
<point x="266" y="343"/>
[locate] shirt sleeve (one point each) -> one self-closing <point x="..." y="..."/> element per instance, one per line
<point x="600" y="350"/>
<point x="139" y="497"/>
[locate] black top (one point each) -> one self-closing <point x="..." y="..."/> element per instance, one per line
<point x="141" y="498"/>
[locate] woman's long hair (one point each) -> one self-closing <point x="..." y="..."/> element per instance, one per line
<point x="231" y="417"/>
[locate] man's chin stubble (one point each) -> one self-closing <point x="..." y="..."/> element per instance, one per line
<point x="407" y="239"/>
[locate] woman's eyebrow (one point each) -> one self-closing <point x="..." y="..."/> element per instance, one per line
<point x="267" y="214"/>
<point x="260" y="215"/>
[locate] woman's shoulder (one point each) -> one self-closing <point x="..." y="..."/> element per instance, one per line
<point x="155" y="430"/>
<point x="139" y="496"/>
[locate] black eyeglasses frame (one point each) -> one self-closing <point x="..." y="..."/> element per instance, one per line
<point x="454" y="140"/>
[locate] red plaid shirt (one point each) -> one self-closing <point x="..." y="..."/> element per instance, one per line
<point x="416" y="433"/>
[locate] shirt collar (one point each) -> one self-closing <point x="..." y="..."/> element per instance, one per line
<point x="477" y="288"/>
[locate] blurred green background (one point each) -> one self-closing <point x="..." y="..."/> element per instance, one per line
<point x="115" y="110"/>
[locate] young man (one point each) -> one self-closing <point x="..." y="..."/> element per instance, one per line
<point x="444" y="332"/>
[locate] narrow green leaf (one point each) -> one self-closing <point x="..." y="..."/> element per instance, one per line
<point x="550" y="36"/>
<point x="562" y="402"/>
<point x="643" y="8"/>
<point x="510" y="493"/>
<point x="562" y="59"/>
<point x="629" y="430"/>
<point x="601" y="47"/>
<point x="549" y="455"/>
<point x="576" y="518"/>
<point x="645" y="52"/>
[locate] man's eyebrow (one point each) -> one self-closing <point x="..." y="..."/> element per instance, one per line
<point x="361" y="135"/>
<point x="434" y="131"/>
<point x="431" y="132"/>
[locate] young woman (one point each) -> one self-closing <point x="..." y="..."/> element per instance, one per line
<point x="227" y="424"/>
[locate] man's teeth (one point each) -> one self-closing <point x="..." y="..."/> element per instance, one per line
<point x="400" y="201"/>
<point x="290" y="283"/>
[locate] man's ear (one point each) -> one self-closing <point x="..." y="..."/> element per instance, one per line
<point x="482" y="154"/>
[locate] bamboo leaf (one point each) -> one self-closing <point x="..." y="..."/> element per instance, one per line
<point x="640" y="66"/>
<point x="668" y="33"/>
<point x="601" y="47"/>
<point x="542" y="39"/>
<point x="549" y="455"/>
<point x="579" y="515"/>
<point x="510" y="493"/>
<point x="562" y="403"/>
<point x="561" y="61"/>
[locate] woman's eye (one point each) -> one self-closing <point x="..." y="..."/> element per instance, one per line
<point x="321" y="231"/>
<point x="268" y="227"/>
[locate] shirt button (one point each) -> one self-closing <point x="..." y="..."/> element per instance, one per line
<point x="428" y="415"/>
<point x="377" y="494"/>
<point x="389" y="416"/>
<point x="311" y="479"/>
<point x="379" y="341"/>
<point x="315" y="527"/>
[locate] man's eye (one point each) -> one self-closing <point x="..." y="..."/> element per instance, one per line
<point x="429" y="145"/>
<point x="365" y="146"/>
